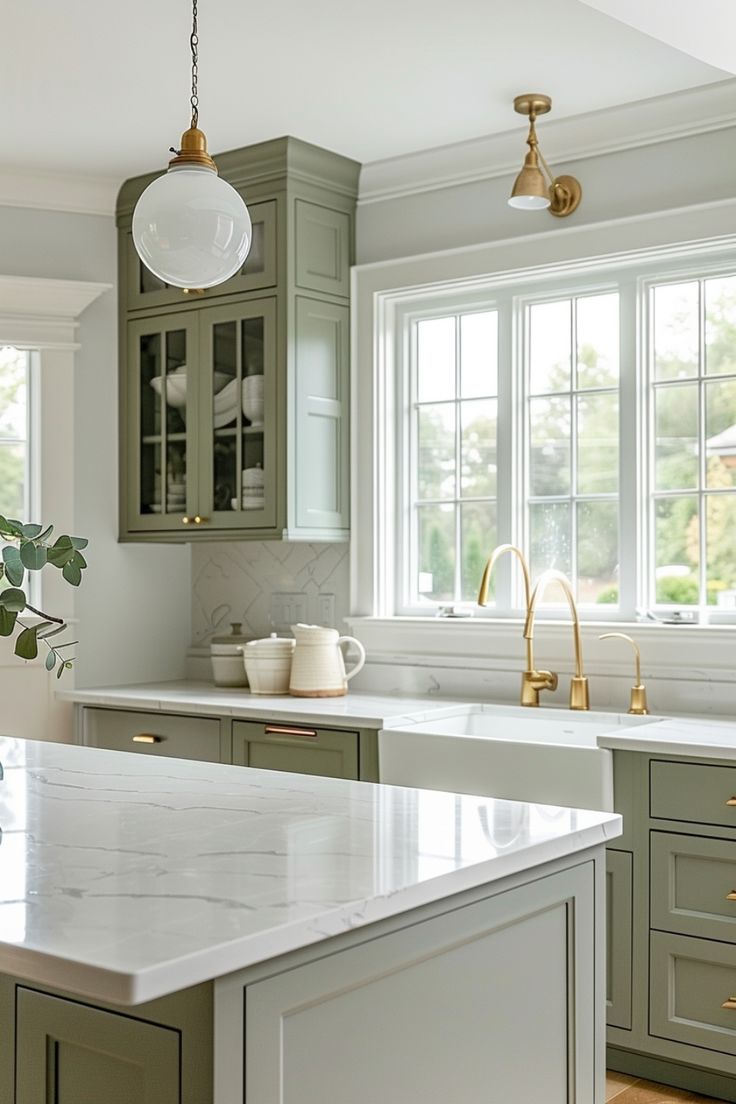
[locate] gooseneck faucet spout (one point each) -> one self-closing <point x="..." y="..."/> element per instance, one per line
<point x="532" y="681"/>
<point x="579" y="698"/>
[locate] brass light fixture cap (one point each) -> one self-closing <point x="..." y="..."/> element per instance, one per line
<point x="529" y="102"/>
<point x="565" y="196"/>
<point x="193" y="150"/>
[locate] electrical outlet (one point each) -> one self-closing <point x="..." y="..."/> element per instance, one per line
<point x="326" y="610"/>
<point x="287" y="609"/>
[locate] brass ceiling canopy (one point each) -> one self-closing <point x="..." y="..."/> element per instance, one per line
<point x="533" y="190"/>
<point x="193" y="150"/>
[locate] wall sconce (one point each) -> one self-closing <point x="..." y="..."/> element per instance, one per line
<point x="531" y="191"/>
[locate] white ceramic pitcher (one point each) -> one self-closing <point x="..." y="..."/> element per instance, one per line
<point x="318" y="667"/>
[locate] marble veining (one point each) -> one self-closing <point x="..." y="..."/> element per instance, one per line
<point x="125" y="877"/>
<point x="715" y="739"/>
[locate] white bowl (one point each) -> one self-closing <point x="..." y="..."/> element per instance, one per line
<point x="227" y="397"/>
<point x="176" y="388"/>
<point x="268" y="665"/>
<point x="225" y="417"/>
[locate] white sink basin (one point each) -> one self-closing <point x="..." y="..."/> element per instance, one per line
<point x="549" y="756"/>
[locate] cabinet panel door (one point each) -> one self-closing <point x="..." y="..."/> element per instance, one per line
<point x="618" y="935"/>
<point x="295" y="748"/>
<point x="154" y="734"/>
<point x="238" y="419"/>
<point x="504" y="985"/>
<point x="146" y="291"/>
<point x="69" y="1053"/>
<point x="692" y="880"/>
<point x="323" y="249"/>
<point x="322" y="454"/>
<point x="161" y="423"/>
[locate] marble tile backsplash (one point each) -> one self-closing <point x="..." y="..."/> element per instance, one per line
<point x="237" y="582"/>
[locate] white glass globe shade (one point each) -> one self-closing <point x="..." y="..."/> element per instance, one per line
<point x="529" y="202"/>
<point x="191" y="228"/>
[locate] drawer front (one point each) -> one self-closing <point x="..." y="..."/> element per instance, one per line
<point x="153" y="733"/>
<point x="694" y="792"/>
<point x="619" y="867"/>
<point x="691" y="979"/>
<point x="693" y="885"/>
<point x="297" y="748"/>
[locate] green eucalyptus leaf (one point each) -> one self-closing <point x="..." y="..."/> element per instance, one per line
<point x="2" y="570"/>
<point x="13" y="565"/>
<point x="46" y="533"/>
<point x="26" y="646"/>
<point x="72" y="573"/>
<point x="50" y="661"/>
<point x="52" y="632"/>
<point x="60" y="670"/>
<point x="7" y="621"/>
<point x="33" y="556"/>
<point x="31" y="531"/>
<point x="14" y="601"/>
<point x="79" y="542"/>
<point x="14" y="527"/>
<point x="61" y="552"/>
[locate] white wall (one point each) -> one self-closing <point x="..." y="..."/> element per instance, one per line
<point x="132" y="609"/>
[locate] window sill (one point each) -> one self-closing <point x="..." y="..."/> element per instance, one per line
<point x="667" y="651"/>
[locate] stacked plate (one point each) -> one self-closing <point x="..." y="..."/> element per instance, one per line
<point x="253" y="490"/>
<point x="253" y="399"/>
<point x="176" y="496"/>
<point x="225" y="404"/>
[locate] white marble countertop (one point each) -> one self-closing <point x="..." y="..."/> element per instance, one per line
<point x="126" y="877"/>
<point x="704" y="738"/>
<point x="354" y="709"/>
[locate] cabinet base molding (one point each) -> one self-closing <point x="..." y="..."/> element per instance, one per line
<point x="664" y="1072"/>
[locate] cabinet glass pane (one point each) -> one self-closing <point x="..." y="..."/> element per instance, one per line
<point x="239" y="414"/>
<point x="163" y="391"/>
<point x="147" y="282"/>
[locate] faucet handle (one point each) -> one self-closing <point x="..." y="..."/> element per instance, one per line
<point x="638" y="700"/>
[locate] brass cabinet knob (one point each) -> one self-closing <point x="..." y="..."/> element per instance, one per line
<point x="185" y="520"/>
<point x="198" y="520"/>
<point x="730" y="1003"/>
<point x="638" y="699"/>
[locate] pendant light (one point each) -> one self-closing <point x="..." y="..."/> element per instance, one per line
<point x="532" y="191"/>
<point x="190" y="227"/>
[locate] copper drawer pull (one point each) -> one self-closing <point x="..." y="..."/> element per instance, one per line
<point x="731" y="801"/>
<point x="284" y="730"/>
<point x="146" y="738"/>
<point x="730" y="1003"/>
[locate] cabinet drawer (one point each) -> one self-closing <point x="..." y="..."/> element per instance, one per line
<point x="693" y="792"/>
<point x="153" y="733"/>
<point x="691" y="880"/>
<point x="690" y="981"/>
<point x="298" y="748"/>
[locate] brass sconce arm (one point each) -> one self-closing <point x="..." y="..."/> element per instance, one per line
<point x="579" y="698"/>
<point x="638" y="700"/>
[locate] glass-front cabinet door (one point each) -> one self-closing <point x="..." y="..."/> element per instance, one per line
<point x="238" y="401"/>
<point x="259" y="271"/>
<point x="162" y="491"/>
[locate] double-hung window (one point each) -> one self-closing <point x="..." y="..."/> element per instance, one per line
<point x="15" y="434"/>
<point x="593" y="424"/>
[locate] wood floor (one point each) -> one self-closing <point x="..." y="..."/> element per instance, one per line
<point x="622" y="1089"/>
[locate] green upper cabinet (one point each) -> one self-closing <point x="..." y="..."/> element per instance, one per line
<point x="234" y="400"/>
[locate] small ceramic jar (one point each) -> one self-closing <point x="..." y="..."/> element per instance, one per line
<point x="268" y="664"/>
<point x="227" y="657"/>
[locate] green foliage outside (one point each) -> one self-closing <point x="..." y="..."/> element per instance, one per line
<point x="27" y="548"/>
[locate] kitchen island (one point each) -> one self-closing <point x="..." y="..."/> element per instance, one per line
<point x="185" y="932"/>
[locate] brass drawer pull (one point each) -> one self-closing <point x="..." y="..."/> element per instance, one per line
<point x="730" y="1003"/>
<point x="285" y="730"/>
<point x="146" y="738"/>
<point x="731" y="896"/>
<point x="731" y="801"/>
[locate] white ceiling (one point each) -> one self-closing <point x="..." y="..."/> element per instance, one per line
<point x="102" y="88"/>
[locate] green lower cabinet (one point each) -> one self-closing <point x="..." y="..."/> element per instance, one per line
<point x="296" y="748"/>
<point x="619" y="873"/>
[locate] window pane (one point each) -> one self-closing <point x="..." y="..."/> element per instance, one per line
<point x="677" y="550"/>
<point x="597" y="552"/>
<point x="436" y="540"/>
<point x="720" y="434"/>
<point x="550" y="538"/>
<point x="720" y="325"/>
<point x="436" y="359"/>
<point x="550" y="446"/>
<point x="436" y="451"/>
<point x="13" y="393"/>
<point x="12" y="480"/>
<point x="478" y="537"/>
<point x="597" y="341"/>
<point x="478" y="421"/>
<point x="676" y="444"/>
<point x="721" y="545"/>
<point x="597" y="444"/>
<point x="676" y="330"/>
<point x="478" y="355"/>
<point x="550" y="351"/>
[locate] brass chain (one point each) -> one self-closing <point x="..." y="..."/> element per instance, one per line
<point x="194" y="45"/>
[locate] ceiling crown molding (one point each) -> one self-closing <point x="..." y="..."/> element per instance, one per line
<point x="79" y="195"/>
<point x="44" y="313"/>
<point x="593" y="134"/>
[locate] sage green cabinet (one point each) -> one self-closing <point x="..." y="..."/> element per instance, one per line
<point x="168" y="734"/>
<point x="234" y="400"/>
<point x="297" y="748"/>
<point x="619" y="875"/>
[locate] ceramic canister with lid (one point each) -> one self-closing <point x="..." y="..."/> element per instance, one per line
<point x="268" y="664"/>
<point x="227" y="658"/>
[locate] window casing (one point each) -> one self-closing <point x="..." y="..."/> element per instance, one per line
<point x="602" y="478"/>
<point x="16" y="482"/>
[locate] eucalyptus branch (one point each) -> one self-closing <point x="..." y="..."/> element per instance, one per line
<point x="45" y="616"/>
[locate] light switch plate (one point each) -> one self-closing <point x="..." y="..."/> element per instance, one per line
<point x="291" y="608"/>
